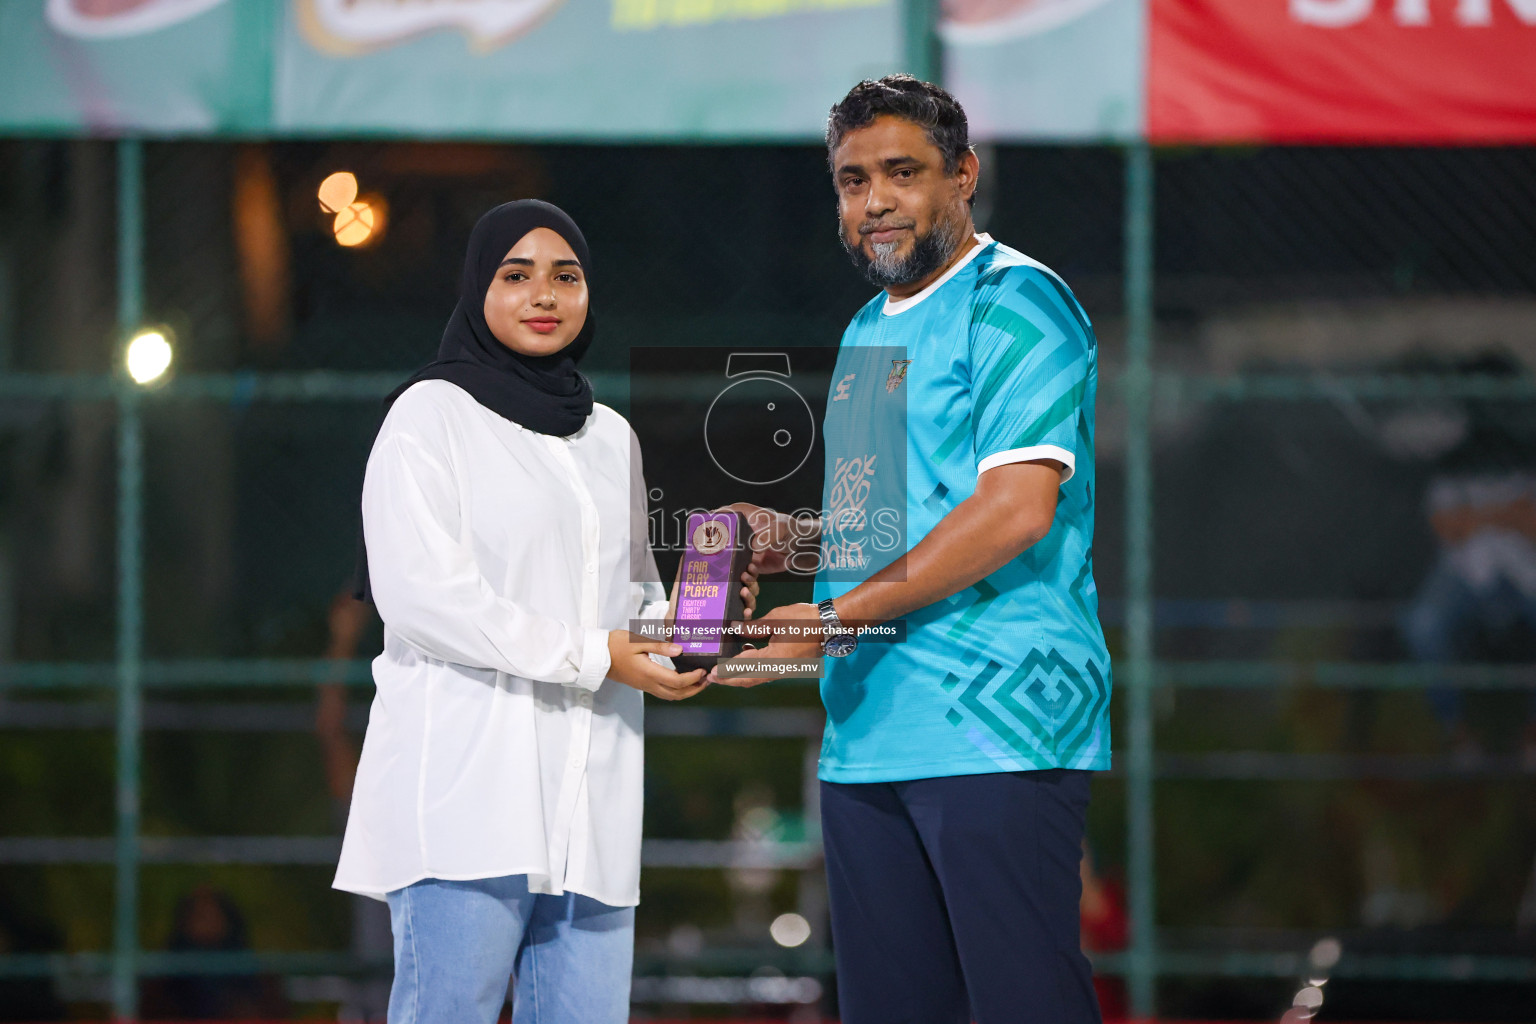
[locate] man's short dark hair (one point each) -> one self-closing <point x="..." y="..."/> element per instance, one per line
<point x="924" y="104"/>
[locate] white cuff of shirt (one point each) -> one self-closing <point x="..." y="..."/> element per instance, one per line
<point x="594" y="659"/>
<point x="1030" y="454"/>
<point x="657" y="610"/>
<point x="653" y="610"/>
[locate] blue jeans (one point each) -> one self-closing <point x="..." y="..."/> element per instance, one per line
<point x="458" y="943"/>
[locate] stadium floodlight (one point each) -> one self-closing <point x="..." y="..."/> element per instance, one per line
<point x="147" y="356"/>
<point x="357" y="219"/>
<point x="337" y="191"/>
<point x="1325" y="954"/>
<point x="356" y="224"/>
<point x="790" y="930"/>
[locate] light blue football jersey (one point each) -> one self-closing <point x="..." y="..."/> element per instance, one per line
<point x="996" y="362"/>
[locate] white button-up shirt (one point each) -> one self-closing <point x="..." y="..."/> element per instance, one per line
<point x="500" y="558"/>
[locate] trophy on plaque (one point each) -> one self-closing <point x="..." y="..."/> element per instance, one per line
<point x="715" y="554"/>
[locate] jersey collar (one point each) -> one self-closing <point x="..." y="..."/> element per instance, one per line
<point x="894" y="306"/>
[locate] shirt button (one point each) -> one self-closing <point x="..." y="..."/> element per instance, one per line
<point x="584" y="698"/>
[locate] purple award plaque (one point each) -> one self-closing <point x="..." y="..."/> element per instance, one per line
<point x="715" y="554"/>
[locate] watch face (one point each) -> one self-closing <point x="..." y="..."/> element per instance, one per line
<point x="840" y="645"/>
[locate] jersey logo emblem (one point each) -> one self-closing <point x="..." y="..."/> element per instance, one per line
<point x="843" y="386"/>
<point x="897" y="375"/>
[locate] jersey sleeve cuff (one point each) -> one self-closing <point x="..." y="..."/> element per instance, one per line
<point x="594" y="659"/>
<point x="1037" y="451"/>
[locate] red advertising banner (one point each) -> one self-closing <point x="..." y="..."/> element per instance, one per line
<point x="1458" y="71"/>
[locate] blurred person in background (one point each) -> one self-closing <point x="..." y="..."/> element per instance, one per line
<point x="207" y="921"/>
<point x="956" y="761"/>
<point x="368" y="997"/>
<point x="1106" y="929"/>
<point x="498" y="798"/>
<point x="1478" y="602"/>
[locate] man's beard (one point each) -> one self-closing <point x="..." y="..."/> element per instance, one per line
<point x="929" y="252"/>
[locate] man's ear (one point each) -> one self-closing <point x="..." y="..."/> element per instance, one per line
<point x="968" y="174"/>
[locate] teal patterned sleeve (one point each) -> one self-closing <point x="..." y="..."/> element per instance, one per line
<point x="1032" y="350"/>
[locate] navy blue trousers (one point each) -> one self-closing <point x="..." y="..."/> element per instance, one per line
<point x="956" y="899"/>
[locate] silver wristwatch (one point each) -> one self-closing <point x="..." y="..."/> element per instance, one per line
<point x="840" y="640"/>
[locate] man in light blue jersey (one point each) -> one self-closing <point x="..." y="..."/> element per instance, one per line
<point x="959" y="505"/>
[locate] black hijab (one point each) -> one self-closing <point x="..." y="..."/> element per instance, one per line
<point x="543" y="393"/>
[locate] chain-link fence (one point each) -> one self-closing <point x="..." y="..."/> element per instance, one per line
<point x="1340" y="514"/>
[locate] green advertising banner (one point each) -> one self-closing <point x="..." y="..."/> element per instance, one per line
<point x="608" y="68"/>
<point x="161" y="66"/>
<point x="1047" y="69"/>
<point x="557" y="69"/>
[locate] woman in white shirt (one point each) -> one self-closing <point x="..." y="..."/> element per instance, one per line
<point x="497" y="804"/>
